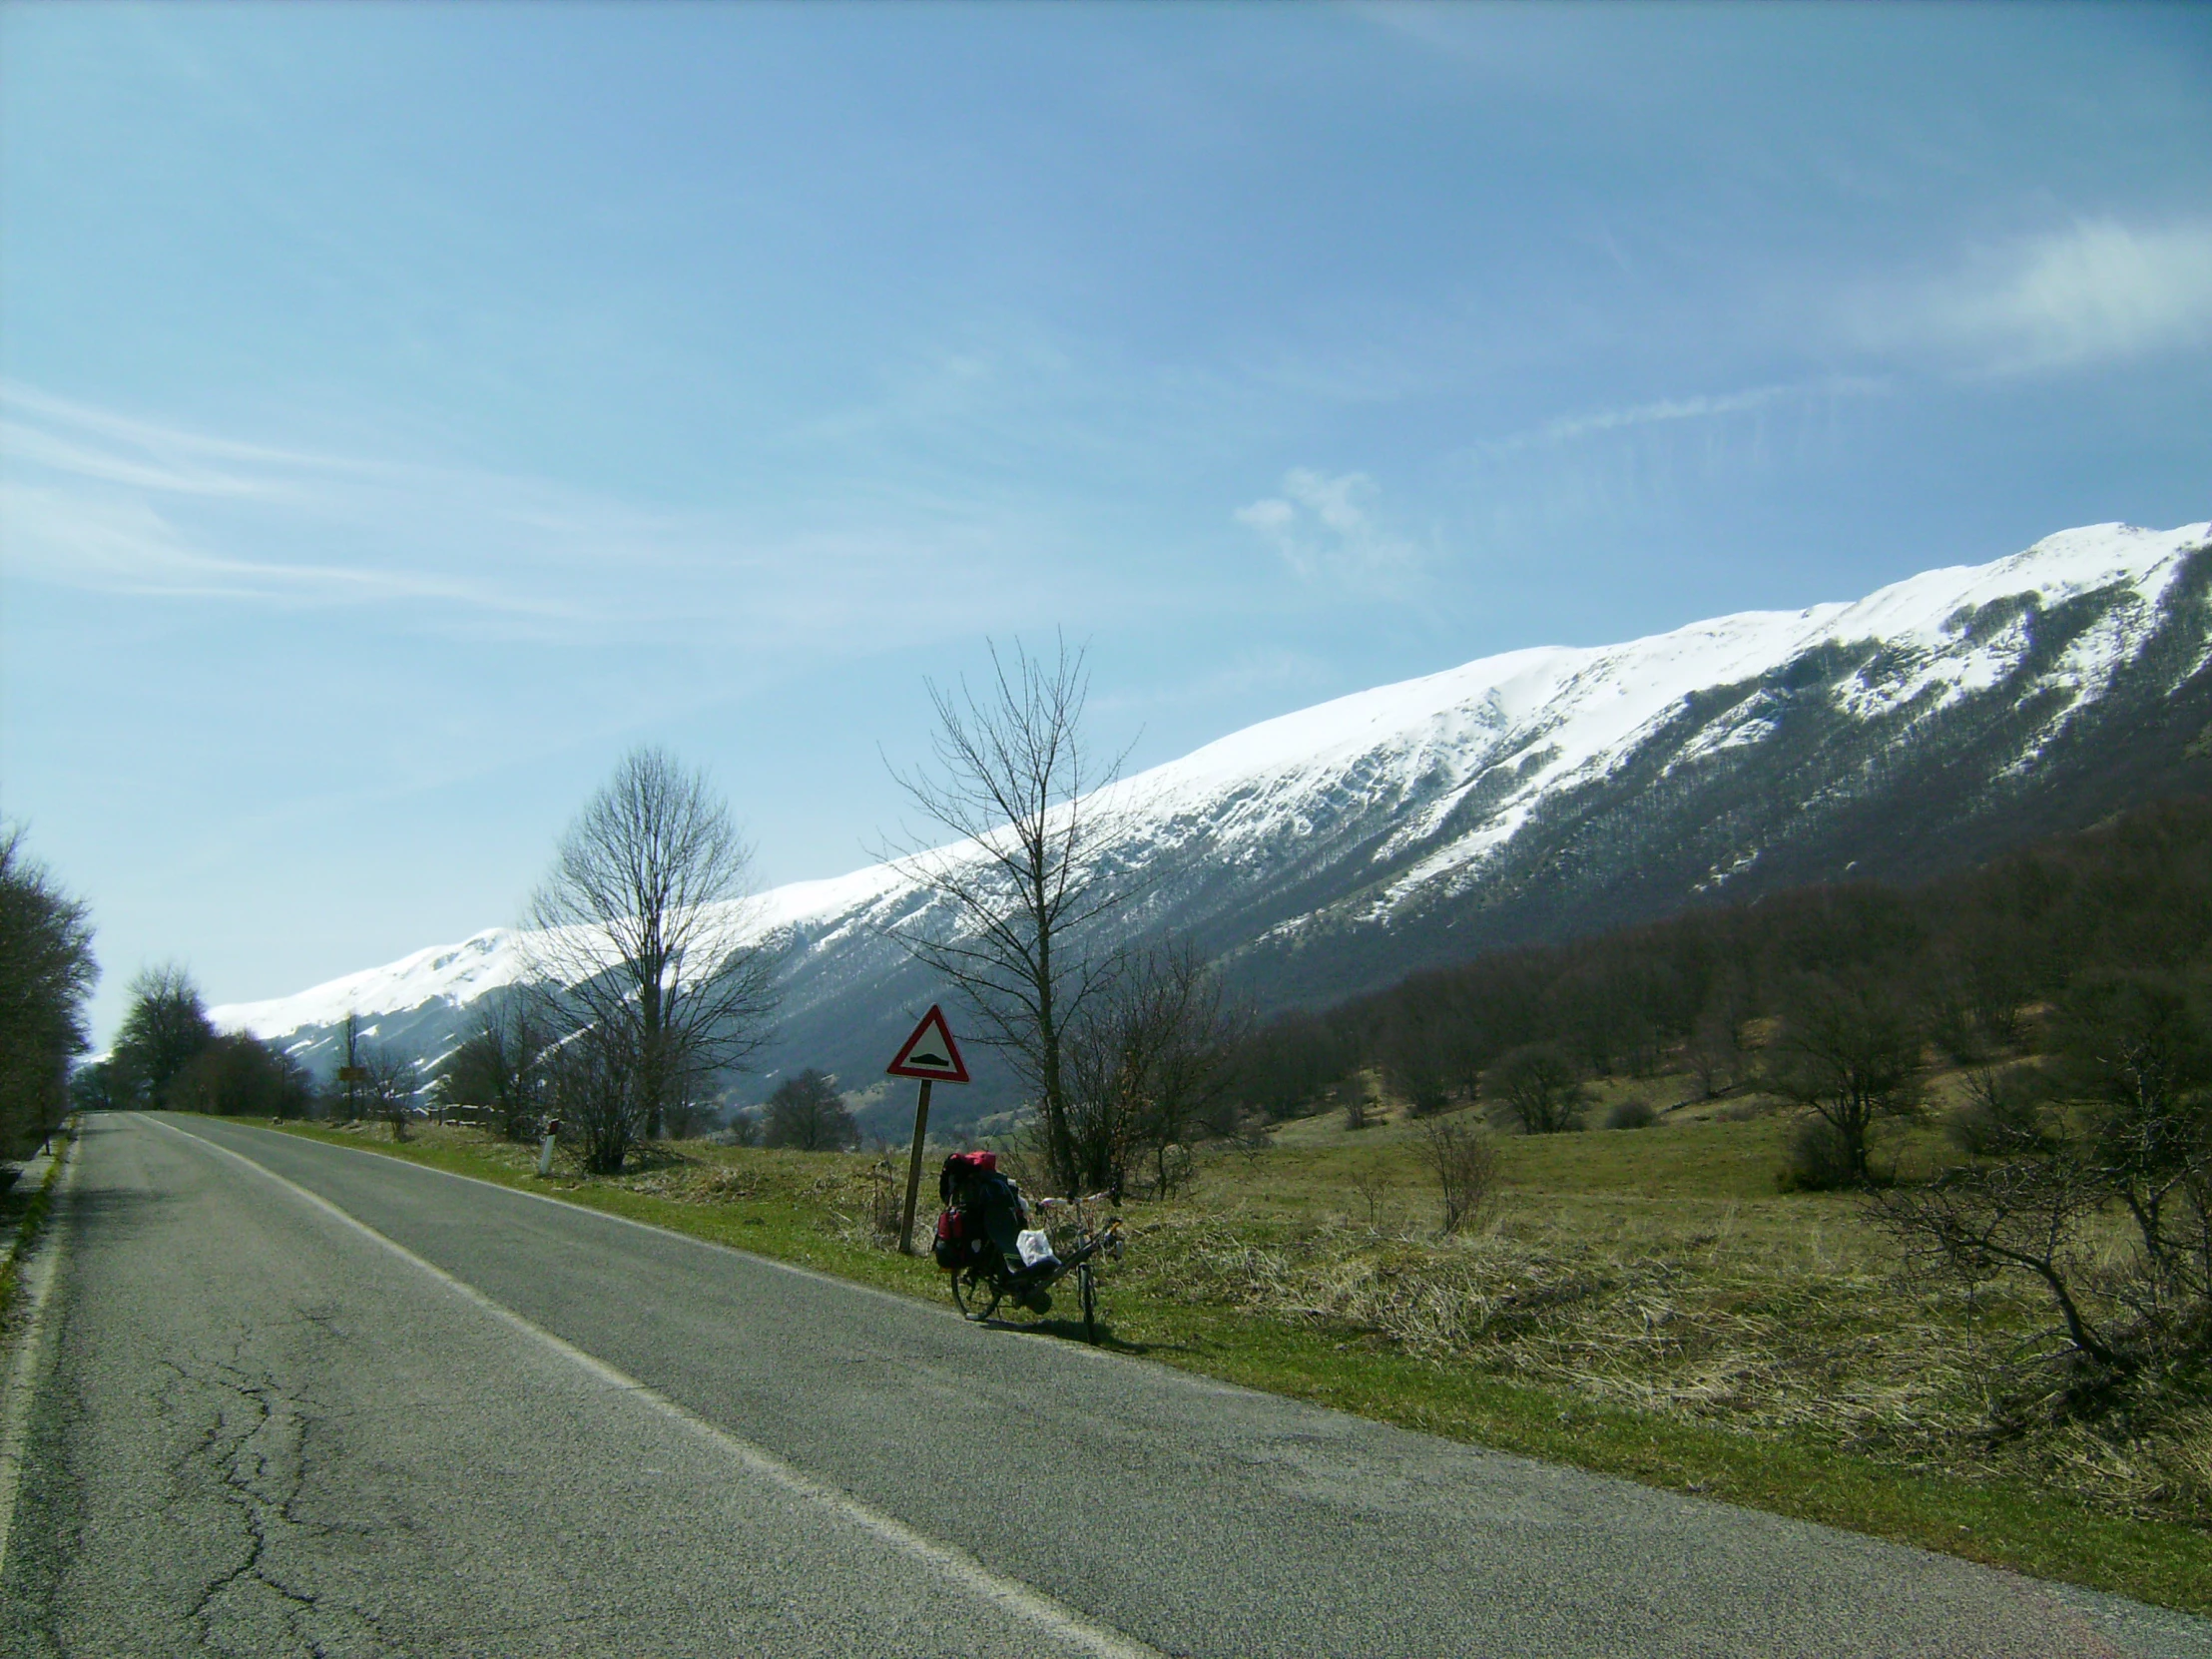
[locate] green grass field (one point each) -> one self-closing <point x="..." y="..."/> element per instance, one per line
<point x="1644" y="1304"/>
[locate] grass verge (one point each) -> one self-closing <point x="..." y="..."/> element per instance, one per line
<point x="781" y="1207"/>
<point x="22" y="1215"/>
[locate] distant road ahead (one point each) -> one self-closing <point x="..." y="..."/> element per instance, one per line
<point x="531" y="1430"/>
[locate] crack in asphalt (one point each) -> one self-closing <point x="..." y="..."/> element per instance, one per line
<point x="254" y="1448"/>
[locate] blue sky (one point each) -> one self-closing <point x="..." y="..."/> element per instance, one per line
<point x="408" y="408"/>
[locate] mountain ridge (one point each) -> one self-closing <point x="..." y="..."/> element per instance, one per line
<point x="1541" y="793"/>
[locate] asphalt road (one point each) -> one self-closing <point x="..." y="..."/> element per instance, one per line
<point x="303" y="1400"/>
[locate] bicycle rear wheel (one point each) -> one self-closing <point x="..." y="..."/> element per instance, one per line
<point x="976" y="1294"/>
<point x="1087" y="1283"/>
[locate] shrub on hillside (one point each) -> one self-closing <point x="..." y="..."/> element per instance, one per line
<point x="1632" y="1113"/>
<point x="1819" y="1160"/>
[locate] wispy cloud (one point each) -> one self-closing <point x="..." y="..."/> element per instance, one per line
<point x="1564" y="429"/>
<point x="97" y="500"/>
<point x="2092" y="293"/>
<point x="1323" y="529"/>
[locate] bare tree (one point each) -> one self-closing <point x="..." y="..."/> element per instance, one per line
<point x="164" y="1028"/>
<point x="1849" y="1052"/>
<point x="2117" y="1123"/>
<point x="807" y="1114"/>
<point x="500" y="1066"/>
<point x="1535" y="1086"/>
<point x="1715" y="1050"/>
<point x="1147" y="1060"/>
<point x="46" y="974"/>
<point x="350" y="1069"/>
<point x="1017" y="786"/>
<point x="2023" y="1216"/>
<point x="638" y="935"/>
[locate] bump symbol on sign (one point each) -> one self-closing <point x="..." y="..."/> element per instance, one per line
<point x="930" y="1052"/>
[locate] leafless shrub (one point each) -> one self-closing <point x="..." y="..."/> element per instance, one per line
<point x="886" y="1207"/>
<point x="389" y="1089"/>
<point x="1465" y="1165"/>
<point x="592" y="1089"/>
<point x="1369" y="1186"/>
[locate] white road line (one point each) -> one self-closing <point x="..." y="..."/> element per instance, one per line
<point x="40" y="1265"/>
<point x="1010" y="1595"/>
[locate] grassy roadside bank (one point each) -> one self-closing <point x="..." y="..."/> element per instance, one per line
<point x="810" y="1210"/>
<point x="23" y="1213"/>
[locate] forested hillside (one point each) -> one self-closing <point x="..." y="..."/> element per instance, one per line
<point x="1970" y="960"/>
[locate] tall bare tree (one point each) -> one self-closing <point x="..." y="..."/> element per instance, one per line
<point x="638" y="936"/>
<point x="1017" y="784"/>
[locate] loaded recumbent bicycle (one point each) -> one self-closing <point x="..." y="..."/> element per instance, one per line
<point x="986" y="1242"/>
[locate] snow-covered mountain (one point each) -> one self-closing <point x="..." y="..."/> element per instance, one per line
<point x="1547" y="793"/>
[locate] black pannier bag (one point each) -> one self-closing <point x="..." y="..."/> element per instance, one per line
<point x="979" y="1204"/>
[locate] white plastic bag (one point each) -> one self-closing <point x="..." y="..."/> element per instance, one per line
<point x="1034" y="1246"/>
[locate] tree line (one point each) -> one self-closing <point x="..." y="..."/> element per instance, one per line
<point x="1959" y="964"/>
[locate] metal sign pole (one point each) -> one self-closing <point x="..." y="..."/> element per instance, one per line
<point x="914" y="1171"/>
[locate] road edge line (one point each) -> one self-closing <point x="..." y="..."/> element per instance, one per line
<point x="36" y="1270"/>
<point x="1007" y="1594"/>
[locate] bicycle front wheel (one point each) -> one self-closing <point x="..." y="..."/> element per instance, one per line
<point x="1087" y="1281"/>
<point x="976" y="1294"/>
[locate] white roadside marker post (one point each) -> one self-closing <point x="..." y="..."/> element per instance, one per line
<point x="545" y="1147"/>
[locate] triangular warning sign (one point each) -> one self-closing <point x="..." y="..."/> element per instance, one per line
<point x="930" y="1052"/>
